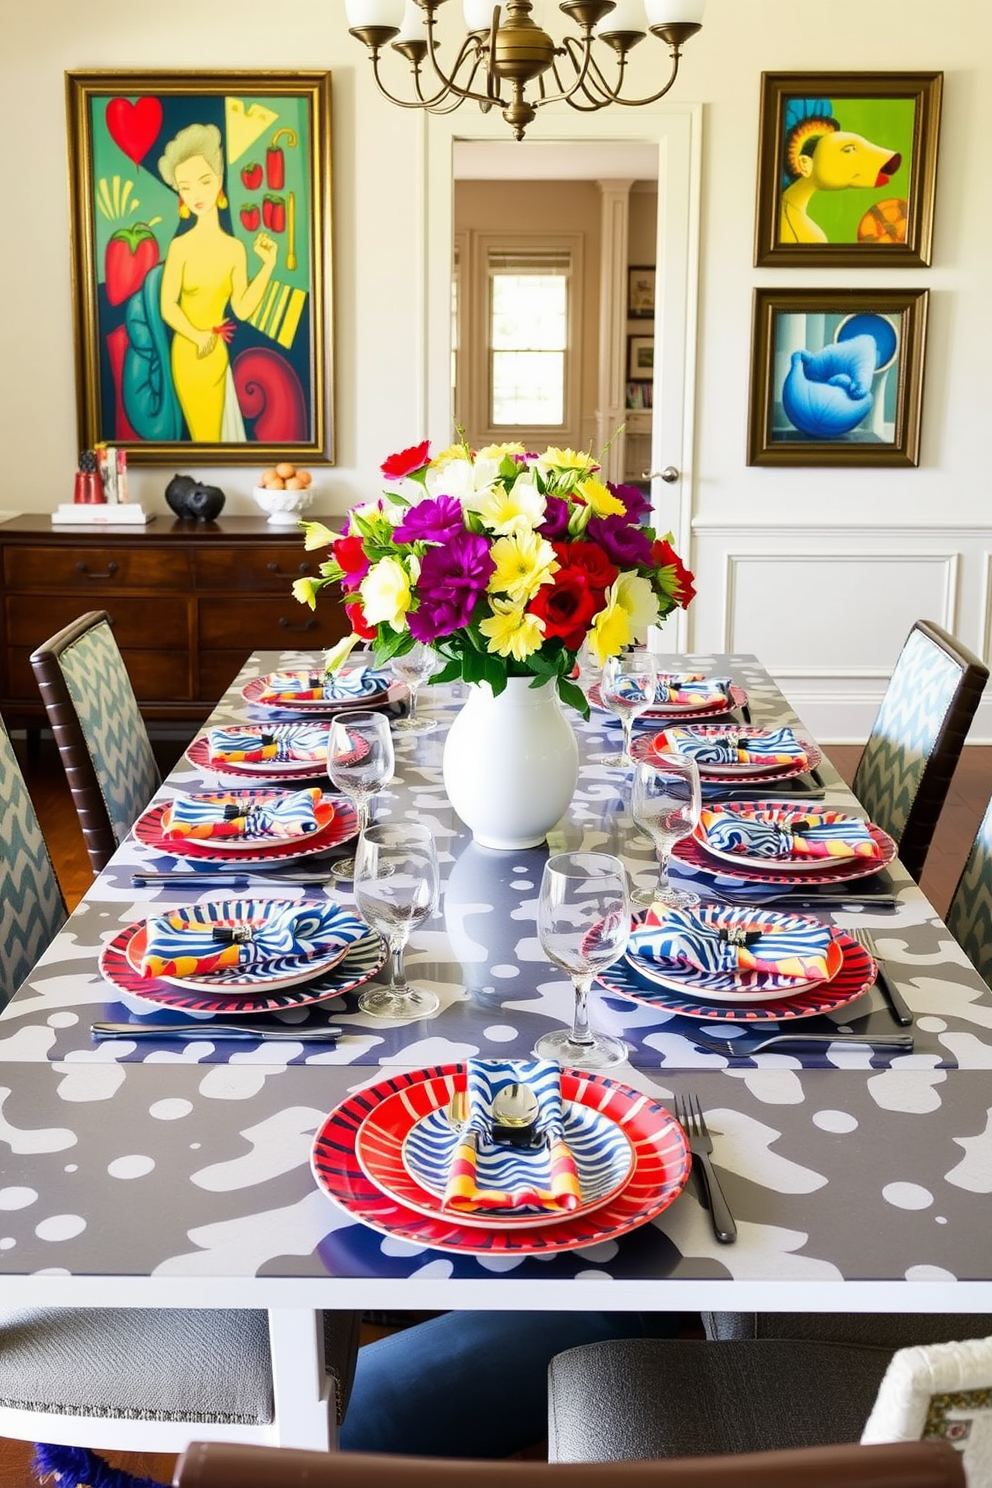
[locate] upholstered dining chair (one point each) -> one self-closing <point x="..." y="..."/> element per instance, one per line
<point x="905" y="770"/>
<point x="648" y="1398"/>
<point x="905" y="1465"/>
<point x="31" y="905"/>
<point x="99" y="730"/>
<point x="969" y="917"/>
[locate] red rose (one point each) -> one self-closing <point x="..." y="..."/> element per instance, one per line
<point x="350" y="557"/>
<point x="588" y="556"/>
<point x="679" y="583"/>
<point x="359" y="624"/>
<point x="407" y="462"/>
<point x="566" y="606"/>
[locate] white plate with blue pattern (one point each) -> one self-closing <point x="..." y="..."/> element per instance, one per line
<point x="409" y="1159"/>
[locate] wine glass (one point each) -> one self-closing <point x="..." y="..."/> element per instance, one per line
<point x="583" y="921"/>
<point x="414" y="667"/>
<point x="665" y="801"/>
<point x="396" y="888"/>
<point x="359" y="762"/>
<point x="628" y="688"/>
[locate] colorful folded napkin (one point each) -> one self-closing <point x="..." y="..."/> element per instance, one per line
<point x="486" y="1174"/>
<point x="716" y="939"/>
<point x="726" y="745"/>
<point x="227" y="815"/>
<point x="774" y="832"/>
<point x="185" y="944"/>
<point x="691" y="690"/>
<point x="284" y="743"/>
<point x="314" y="686"/>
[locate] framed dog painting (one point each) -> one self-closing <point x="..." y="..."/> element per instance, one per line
<point x="847" y="163"/>
<point x="201" y="254"/>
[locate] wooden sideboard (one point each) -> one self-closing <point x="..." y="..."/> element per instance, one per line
<point x="188" y="601"/>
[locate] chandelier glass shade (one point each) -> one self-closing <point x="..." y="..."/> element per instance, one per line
<point x="507" y="61"/>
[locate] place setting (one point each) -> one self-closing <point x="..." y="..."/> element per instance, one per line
<point x="294" y="692"/>
<point x="633" y="688"/>
<point x="263" y="752"/>
<point x="501" y="1157"/>
<point x="236" y="958"/>
<point x="737" y="760"/>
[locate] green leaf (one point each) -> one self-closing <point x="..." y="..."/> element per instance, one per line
<point x="391" y="643"/>
<point x="450" y="672"/>
<point x="573" y="696"/>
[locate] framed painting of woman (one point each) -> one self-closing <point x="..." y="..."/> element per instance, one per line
<point x="201" y="259"/>
<point x="847" y="164"/>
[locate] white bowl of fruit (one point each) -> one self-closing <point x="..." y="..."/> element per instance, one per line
<point x="284" y="493"/>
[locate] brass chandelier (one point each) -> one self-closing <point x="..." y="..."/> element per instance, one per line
<point x="505" y="49"/>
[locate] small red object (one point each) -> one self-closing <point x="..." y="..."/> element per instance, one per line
<point x="88" y="490"/>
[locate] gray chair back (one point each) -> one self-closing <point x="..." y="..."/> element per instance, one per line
<point x="31" y="905"/>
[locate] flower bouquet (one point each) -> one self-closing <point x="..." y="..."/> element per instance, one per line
<point x="502" y="562"/>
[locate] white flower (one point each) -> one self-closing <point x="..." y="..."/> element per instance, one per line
<point x="635" y="595"/>
<point x="462" y="479"/>
<point x="385" y="594"/>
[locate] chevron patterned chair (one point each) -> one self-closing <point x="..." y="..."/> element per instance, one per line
<point x="100" y="733"/>
<point x="31" y="905"/>
<point x="969" y="917"/>
<point x="916" y="740"/>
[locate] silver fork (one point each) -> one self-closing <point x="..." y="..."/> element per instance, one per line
<point x="689" y="1115"/>
<point x="884" y="982"/>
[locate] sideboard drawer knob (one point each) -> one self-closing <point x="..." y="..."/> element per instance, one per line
<point x="310" y="624"/>
<point x="88" y="573"/>
<point x="281" y="573"/>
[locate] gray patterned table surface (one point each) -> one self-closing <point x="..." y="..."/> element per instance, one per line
<point x="480" y="953"/>
<point x="158" y="1184"/>
<point x="145" y="1174"/>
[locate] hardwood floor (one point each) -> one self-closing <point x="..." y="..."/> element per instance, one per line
<point x="966" y="802"/>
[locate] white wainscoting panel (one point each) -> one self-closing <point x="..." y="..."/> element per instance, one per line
<point x="828" y="611"/>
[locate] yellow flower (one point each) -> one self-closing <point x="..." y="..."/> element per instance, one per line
<point x="610" y="631"/>
<point x="519" y="509"/>
<point x="601" y="501"/>
<point x="453" y="452"/>
<point x="523" y="562"/>
<point x="512" y="631"/>
<point x="636" y="596"/>
<point x="385" y="594"/>
<point x="305" y="590"/>
<point x="497" y="451"/>
<point x="567" y="459"/>
<point x="335" y="658"/>
<point x="316" y="535"/>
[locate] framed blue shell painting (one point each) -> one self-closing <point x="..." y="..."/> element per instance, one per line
<point x="836" y="377"/>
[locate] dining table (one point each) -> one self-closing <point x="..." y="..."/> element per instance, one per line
<point x="201" y="1171"/>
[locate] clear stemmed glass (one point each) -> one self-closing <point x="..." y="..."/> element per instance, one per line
<point x="414" y="667"/>
<point x="583" y="920"/>
<point x="628" y="688"/>
<point x="396" y="888"/>
<point x="665" y="801"/>
<point x="359" y="762"/>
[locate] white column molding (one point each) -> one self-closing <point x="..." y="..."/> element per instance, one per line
<point x="611" y="400"/>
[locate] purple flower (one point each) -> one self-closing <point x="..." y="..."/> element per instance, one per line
<point x="633" y="499"/>
<point x="437" y="520"/>
<point x="555" y="524"/>
<point x="451" y="580"/>
<point x="624" y="545"/>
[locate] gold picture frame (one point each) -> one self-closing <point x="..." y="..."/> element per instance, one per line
<point x="202" y="264"/>
<point x="847" y="168"/>
<point x="836" y="376"/>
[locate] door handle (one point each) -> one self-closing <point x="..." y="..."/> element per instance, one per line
<point x="669" y="475"/>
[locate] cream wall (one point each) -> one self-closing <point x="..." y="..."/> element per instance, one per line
<point x="890" y="544"/>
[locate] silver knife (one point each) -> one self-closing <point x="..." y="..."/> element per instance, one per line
<point x="226" y="878"/>
<point x="327" y="1035"/>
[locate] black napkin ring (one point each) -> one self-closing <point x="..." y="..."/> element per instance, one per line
<point x="237" y="934"/>
<point x="739" y="935"/>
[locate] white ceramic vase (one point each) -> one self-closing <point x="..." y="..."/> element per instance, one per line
<point x="511" y="763"/>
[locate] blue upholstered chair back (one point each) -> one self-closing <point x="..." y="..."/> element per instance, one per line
<point x="969" y="918"/>
<point x="31" y="904"/>
<point x="112" y="726"/>
<point x="907" y="764"/>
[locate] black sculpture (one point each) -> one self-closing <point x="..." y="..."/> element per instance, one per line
<point x="193" y="501"/>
